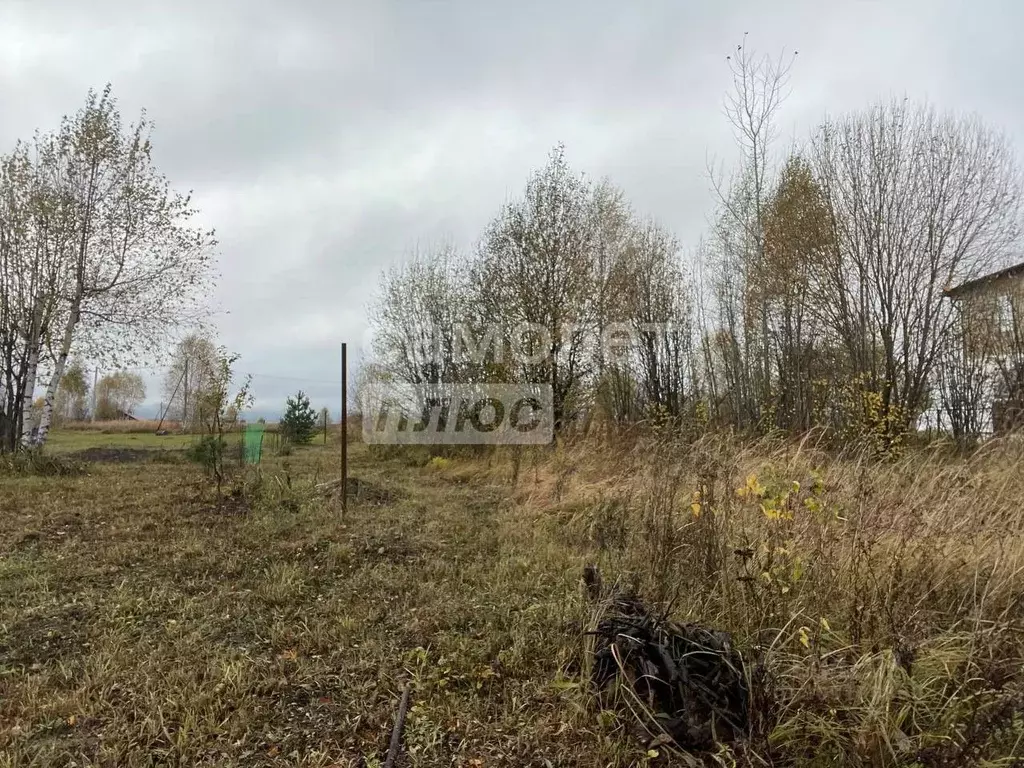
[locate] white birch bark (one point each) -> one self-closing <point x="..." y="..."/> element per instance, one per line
<point x="46" y="417"/>
<point x="32" y="368"/>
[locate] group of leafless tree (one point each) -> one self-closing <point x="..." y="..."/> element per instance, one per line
<point x="817" y="299"/>
<point x="97" y="259"/>
<point x="560" y="271"/>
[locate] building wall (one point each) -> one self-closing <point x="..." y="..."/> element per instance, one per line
<point x="993" y="317"/>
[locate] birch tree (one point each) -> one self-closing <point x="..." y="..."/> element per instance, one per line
<point x="118" y="394"/>
<point x="422" y="308"/>
<point x="24" y="278"/>
<point x="73" y="392"/>
<point x="111" y="257"/>
<point x="660" y="315"/>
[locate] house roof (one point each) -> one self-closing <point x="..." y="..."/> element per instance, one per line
<point x="993" y="277"/>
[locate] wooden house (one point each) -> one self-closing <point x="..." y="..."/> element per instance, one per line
<point x="992" y="312"/>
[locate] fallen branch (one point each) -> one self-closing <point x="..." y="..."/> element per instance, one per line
<point x="396" y="733"/>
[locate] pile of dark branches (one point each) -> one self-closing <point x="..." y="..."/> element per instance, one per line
<point x="684" y="683"/>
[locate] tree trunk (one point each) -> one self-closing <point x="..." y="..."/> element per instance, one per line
<point x="4" y="415"/>
<point x="31" y="368"/>
<point x="3" y="403"/>
<point x="46" y="417"/>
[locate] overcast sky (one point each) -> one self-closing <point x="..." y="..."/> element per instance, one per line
<point x="325" y="140"/>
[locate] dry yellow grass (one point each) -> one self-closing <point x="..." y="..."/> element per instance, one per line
<point x="886" y="599"/>
<point x="138" y="624"/>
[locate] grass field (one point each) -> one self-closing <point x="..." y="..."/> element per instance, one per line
<point x="68" y="441"/>
<point x="141" y="434"/>
<point x="144" y="621"/>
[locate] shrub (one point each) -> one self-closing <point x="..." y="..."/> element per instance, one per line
<point x="439" y="463"/>
<point x="207" y="451"/>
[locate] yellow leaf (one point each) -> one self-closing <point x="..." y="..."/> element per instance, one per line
<point x="753" y="486"/>
<point x="695" y="509"/>
<point x="72" y="719"/>
<point x="805" y="639"/>
<point x="652" y="753"/>
<point x="824" y="624"/>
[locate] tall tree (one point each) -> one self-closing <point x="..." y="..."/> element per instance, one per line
<point x="539" y="276"/>
<point x="759" y="87"/>
<point x="73" y="392"/>
<point x="118" y="394"/>
<point x="658" y="309"/>
<point x="421" y="311"/>
<point x="193" y="370"/>
<point x="108" y="257"/>
<point x="28" y="277"/>
<point x="796" y="235"/>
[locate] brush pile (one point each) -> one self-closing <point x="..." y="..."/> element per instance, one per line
<point x="684" y="683"/>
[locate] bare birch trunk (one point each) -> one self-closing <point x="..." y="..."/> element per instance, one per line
<point x="46" y="417"/>
<point x="32" y="367"/>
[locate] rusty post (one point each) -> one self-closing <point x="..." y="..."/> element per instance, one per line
<point x="344" y="427"/>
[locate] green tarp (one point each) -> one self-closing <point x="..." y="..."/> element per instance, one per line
<point x="253" y="443"/>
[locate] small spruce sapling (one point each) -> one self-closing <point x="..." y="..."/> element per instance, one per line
<point x="299" y="421"/>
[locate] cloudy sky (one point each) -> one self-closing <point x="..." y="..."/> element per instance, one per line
<point x="326" y="140"/>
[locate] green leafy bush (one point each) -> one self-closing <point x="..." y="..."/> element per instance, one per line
<point x="207" y="451"/>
